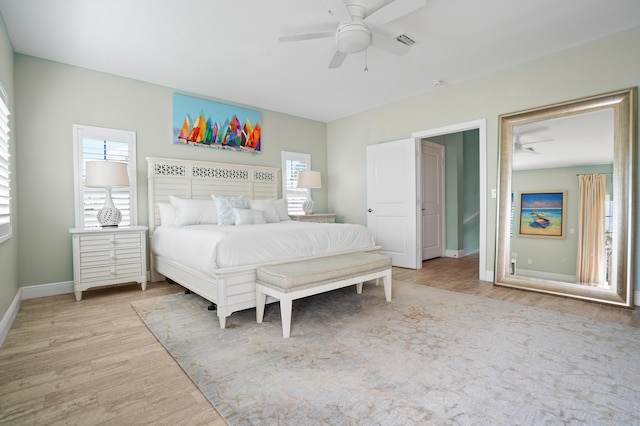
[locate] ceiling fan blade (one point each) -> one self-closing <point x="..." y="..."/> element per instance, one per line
<point x="388" y="44"/>
<point x="339" y="9"/>
<point x="394" y="10"/>
<point x="308" y="36"/>
<point x="337" y="59"/>
<point x="519" y="133"/>
<point x="535" y="142"/>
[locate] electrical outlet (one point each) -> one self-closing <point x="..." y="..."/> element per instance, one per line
<point x="529" y="261"/>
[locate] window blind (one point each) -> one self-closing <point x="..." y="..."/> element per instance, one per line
<point x="293" y="164"/>
<point x="5" y="169"/>
<point x="94" y="198"/>
<point x="99" y="144"/>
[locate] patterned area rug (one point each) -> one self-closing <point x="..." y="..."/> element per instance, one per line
<point x="429" y="356"/>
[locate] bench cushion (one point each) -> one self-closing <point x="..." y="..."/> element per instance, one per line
<point x="307" y="273"/>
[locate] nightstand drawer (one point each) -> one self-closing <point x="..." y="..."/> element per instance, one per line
<point x="117" y="255"/>
<point x="317" y="217"/>
<point x="108" y="241"/>
<point x="113" y="272"/>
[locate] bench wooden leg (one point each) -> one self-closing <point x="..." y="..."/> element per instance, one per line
<point x="359" y="288"/>
<point x="286" y="305"/>
<point x="261" y="300"/>
<point x="387" y="285"/>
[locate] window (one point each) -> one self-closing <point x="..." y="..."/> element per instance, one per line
<point x="608" y="233"/>
<point x="292" y="163"/>
<point x="96" y="143"/>
<point x="5" y="169"/>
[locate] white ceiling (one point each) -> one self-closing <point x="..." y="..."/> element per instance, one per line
<point x="229" y="50"/>
<point x="575" y="140"/>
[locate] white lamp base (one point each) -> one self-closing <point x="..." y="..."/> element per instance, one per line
<point x="109" y="215"/>
<point x="307" y="206"/>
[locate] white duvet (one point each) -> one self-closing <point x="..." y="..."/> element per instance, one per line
<point x="206" y="248"/>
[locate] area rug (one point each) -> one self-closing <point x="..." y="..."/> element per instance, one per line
<point x="429" y="356"/>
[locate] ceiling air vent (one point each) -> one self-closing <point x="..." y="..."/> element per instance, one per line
<point x="405" y="39"/>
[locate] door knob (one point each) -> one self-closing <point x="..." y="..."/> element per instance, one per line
<point x="369" y="210"/>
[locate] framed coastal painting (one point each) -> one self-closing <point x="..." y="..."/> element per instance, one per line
<point x="543" y="214"/>
<point x="199" y="122"/>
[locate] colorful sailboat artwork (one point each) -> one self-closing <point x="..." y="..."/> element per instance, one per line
<point x="216" y="129"/>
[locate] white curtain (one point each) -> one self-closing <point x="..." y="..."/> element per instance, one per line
<point x="591" y="230"/>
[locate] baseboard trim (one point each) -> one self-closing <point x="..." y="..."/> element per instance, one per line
<point x="7" y="320"/>
<point x="546" y="275"/>
<point x="454" y="253"/>
<point x="488" y="275"/>
<point x="44" y="290"/>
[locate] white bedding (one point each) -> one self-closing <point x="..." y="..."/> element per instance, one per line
<point x="206" y="248"/>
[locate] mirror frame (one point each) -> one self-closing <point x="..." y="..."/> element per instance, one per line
<point x="623" y="103"/>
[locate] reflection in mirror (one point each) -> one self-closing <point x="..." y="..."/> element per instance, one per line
<point x="566" y="188"/>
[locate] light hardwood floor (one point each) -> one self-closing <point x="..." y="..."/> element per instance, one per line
<point x="94" y="361"/>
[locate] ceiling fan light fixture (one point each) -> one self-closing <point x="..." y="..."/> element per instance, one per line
<point x="353" y="37"/>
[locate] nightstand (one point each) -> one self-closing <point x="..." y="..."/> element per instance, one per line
<point x="316" y="217"/>
<point x="109" y="255"/>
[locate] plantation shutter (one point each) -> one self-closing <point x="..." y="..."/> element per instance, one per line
<point x="293" y="164"/>
<point x="100" y="144"/>
<point x="5" y="169"/>
<point x="94" y="198"/>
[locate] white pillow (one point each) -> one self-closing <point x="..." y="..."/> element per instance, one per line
<point x="167" y="214"/>
<point x="268" y="207"/>
<point x="225" y="206"/>
<point x="194" y="212"/>
<point x="248" y="217"/>
<point x="281" y="208"/>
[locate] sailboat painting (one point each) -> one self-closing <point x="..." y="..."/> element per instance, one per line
<point x="542" y="214"/>
<point x="200" y="122"/>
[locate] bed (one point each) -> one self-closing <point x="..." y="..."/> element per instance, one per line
<point x="218" y="261"/>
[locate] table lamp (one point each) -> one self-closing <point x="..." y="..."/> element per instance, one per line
<point x="107" y="174"/>
<point x="309" y="179"/>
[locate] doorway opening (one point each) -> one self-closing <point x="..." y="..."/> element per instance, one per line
<point x="481" y="215"/>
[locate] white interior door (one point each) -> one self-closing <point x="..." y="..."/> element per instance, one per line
<point x="392" y="200"/>
<point x="433" y="203"/>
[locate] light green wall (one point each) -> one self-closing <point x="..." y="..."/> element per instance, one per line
<point x="51" y="97"/>
<point x="9" y="249"/>
<point x="556" y="256"/>
<point x="453" y="159"/>
<point x="461" y="189"/>
<point x="602" y="66"/>
<point x="471" y="191"/>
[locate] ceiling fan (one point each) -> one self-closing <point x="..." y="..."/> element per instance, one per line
<point x="523" y="148"/>
<point x="356" y="31"/>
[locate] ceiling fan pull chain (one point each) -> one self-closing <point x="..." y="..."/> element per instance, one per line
<point x="366" y="61"/>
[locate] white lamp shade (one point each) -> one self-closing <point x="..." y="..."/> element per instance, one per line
<point x="103" y="174"/>
<point x="309" y="179"/>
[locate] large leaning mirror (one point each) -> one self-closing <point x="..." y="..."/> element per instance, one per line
<point x="566" y="208"/>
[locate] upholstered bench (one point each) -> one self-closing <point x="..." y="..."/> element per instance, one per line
<point x="293" y="280"/>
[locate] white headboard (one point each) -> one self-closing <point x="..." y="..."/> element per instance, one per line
<point x="201" y="179"/>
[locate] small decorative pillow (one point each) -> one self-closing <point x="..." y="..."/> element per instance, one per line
<point x="281" y="208"/>
<point x="268" y="207"/>
<point x="167" y="214"/>
<point x="193" y="212"/>
<point x="225" y="206"/>
<point x="249" y="217"/>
